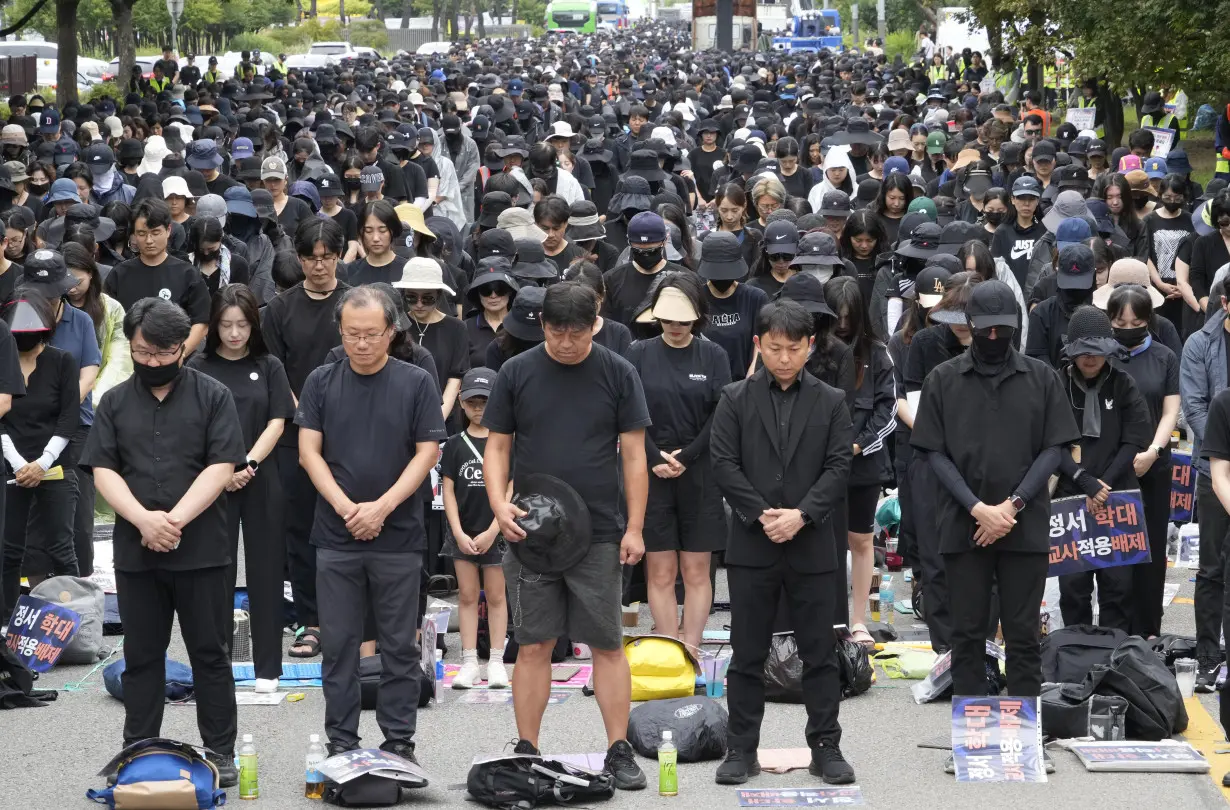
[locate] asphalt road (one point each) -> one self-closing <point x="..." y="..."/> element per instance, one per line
<point x="50" y="755"/>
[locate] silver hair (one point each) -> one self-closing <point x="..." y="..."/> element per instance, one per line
<point x="367" y="296"/>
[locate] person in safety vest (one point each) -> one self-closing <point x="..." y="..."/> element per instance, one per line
<point x="1153" y="114"/>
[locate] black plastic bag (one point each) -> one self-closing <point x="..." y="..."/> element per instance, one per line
<point x="856" y="672"/>
<point x="1155" y="705"/>
<point x="783" y="670"/>
<point x="697" y="725"/>
<point x="368" y="790"/>
<point x="1067" y="711"/>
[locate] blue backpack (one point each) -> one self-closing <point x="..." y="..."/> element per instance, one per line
<point x="160" y="773"/>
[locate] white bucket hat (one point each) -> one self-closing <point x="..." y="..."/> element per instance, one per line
<point x="422" y="273"/>
<point x="175" y="185"/>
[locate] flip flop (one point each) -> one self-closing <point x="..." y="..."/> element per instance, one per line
<point x="866" y="640"/>
<point x="307" y="638"/>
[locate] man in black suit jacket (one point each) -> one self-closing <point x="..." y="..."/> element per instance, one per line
<point x="781" y="447"/>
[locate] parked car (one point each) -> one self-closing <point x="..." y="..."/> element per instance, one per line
<point x="146" y="63"/>
<point x="309" y="61"/>
<point x="432" y="48"/>
<point x="45" y="76"/>
<point x="25" y="47"/>
<point x="337" y="49"/>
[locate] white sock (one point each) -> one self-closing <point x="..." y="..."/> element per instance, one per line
<point x="469" y="656"/>
<point x="497" y="655"/>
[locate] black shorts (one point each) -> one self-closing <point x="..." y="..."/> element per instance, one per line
<point x="685" y="513"/>
<point x="861" y="502"/>
<point x="581" y="604"/>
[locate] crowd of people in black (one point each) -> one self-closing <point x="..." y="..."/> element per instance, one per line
<point x="727" y="298"/>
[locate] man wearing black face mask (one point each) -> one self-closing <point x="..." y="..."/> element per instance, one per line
<point x="1048" y="322"/>
<point x="163" y="447"/>
<point x="994" y="505"/>
<point x="628" y="284"/>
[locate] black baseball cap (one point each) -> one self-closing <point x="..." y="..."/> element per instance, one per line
<point x="992" y="304"/>
<point x="477" y="382"/>
<point x="1076" y="268"/>
<point x="929" y="285"/>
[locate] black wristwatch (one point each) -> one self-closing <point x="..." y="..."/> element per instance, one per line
<point x="1018" y="503"/>
<point x="807" y="521"/>
<point x="252" y="464"/>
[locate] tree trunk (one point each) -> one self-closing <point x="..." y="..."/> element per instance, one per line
<point x="407" y="12"/>
<point x="341" y="12"/>
<point x="478" y="12"/>
<point x="66" y="39"/>
<point x="452" y="19"/>
<point x="125" y="44"/>
<point x="513" y="12"/>
<point x="435" y="20"/>
<point x="312" y="10"/>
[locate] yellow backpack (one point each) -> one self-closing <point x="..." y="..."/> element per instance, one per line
<point x="661" y="668"/>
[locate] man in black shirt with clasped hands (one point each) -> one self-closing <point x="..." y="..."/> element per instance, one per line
<point x="163" y="447"/>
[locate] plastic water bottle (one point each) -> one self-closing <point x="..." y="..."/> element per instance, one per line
<point x="668" y="776"/>
<point x="886" y="599"/>
<point x="314" y="780"/>
<point x="249" y="788"/>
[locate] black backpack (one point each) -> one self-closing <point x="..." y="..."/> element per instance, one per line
<point x="1070" y="653"/>
<point x="1155" y="706"/>
<point x="520" y="782"/>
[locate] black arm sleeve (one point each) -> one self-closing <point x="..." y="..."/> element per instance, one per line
<point x="951" y="478"/>
<point x="1078" y="474"/>
<point x="1121" y="462"/>
<point x="1039" y="472"/>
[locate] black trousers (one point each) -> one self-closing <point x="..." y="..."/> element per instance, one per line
<point x="1021" y="577"/>
<point x="83" y="518"/>
<point x="299" y="498"/>
<point x="149" y="602"/>
<point x="1210" y="578"/>
<point x="347" y="582"/>
<point x="258" y="506"/>
<point x="907" y="541"/>
<point x="1114" y="597"/>
<point x="1149" y="579"/>
<point x="754" y="594"/>
<point x="49" y="506"/>
<point x="924" y="493"/>
<point x="840" y="518"/>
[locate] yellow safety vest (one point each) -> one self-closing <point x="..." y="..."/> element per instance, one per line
<point x="937" y="73"/>
<point x="1048" y="77"/>
<point x="1003" y="82"/>
<point x="213" y="76"/>
<point x="279" y="66"/>
<point x="1065" y="77"/>
<point x="1167" y="121"/>
<point x="1221" y="166"/>
<point x="160" y="85"/>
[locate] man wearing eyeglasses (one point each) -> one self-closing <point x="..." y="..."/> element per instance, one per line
<point x="299" y="330"/>
<point x="163" y="447"/>
<point x="155" y="273"/>
<point x="368" y="525"/>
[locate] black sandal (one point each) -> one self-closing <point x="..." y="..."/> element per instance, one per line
<point x="309" y="638"/>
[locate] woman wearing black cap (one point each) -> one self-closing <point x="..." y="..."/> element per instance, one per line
<point x="1048" y="321"/>
<point x="490" y="294"/>
<point x="522" y="328"/>
<point x="773" y="268"/>
<point x="1115" y="427"/>
<point x="34" y="433"/>
<point x="992" y="502"/>
<point x="874" y="416"/>
<point x="683" y="375"/>
<point x="732" y="305"/>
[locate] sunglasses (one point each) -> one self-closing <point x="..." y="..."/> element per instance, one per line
<point x="1004" y="333"/>
<point x="427" y="299"/>
<point x="665" y="322"/>
<point x="781" y="257"/>
<point x="493" y="289"/>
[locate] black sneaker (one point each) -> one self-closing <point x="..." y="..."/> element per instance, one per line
<point x="525" y="747"/>
<point x="1225" y="780"/>
<point x="405" y="750"/>
<point x="828" y="763"/>
<point x="736" y="768"/>
<point x="621" y="765"/>
<point x="340" y="748"/>
<point x="1206" y="675"/>
<point x="228" y="774"/>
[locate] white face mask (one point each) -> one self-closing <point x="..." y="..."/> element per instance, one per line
<point x="822" y="272"/>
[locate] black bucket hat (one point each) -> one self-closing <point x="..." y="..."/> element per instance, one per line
<point x="645" y="164"/>
<point x="721" y="257"/>
<point x="924" y="241"/>
<point x="492" y="270"/>
<point x="557" y="524"/>
<point x="524" y="320"/>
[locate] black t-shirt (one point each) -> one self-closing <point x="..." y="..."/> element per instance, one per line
<point x="459" y="463"/>
<point x="614" y="336"/>
<point x="371" y="424"/>
<point x="1156" y="374"/>
<point x="798" y="184"/>
<point x="567" y="419"/>
<point x="732" y="322"/>
<point x="479" y="335"/>
<point x="299" y="330"/>
<point x="413" y="181"/>
<point x="241" y="273"/>
<point x="962" y="414"/>
<point x="1125" y="420"/>
<point x="702" y="166"/>
<point x="1015" y="246"/>
<point x="349" y="222"/>
<point x="626" y="289"/>
<point x="449" y="346"/>
<point x="768" y="283"/>
<point x="1216" y="443"/>
<point x="221" y="183"/>
<point x="1165" y="236"/>
<point x="361" y="271"/>
<point x="8" y="281"/>
<point x="50" y="407"/>
<point x="173" y="280"/>
<point x="258" y="385"/>
<point x="564" y="257"/>
<point x="159" y="449"/>
<point x="296" y="211"/>
<point x="1208" y="255"/>
<point x="682" y="387"/>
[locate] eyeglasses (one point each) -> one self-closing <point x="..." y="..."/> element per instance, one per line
<point x="166" y="354"/>
<point x="1170" y="199"/>
<point x="319" y="261"/>
<point x="427" y="299"/>
<point x="489" y="290"/>
<point x="356" y="337"/>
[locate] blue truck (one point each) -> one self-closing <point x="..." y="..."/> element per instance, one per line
<point x="811" y="30"/>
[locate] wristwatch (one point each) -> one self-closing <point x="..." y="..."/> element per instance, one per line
<point x="1157" y="449"/>
<point x="1018" y="503"/>
<point x="253" y="465"/>
<point x="807" y="521"/>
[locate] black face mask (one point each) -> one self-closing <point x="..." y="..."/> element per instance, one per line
<point x="1171" y="205"/>
<point x="1131" y="337"/>
<point x="27" y="341"/>
<point x="1071" y="299"/>
<point x="995" y="218"/>
<point x="351" y="183"/>
<point x="993" y="352"/>
<point x="156" y="376"/>
<point x="38" y="189"/>
<point x="1140" y="202"/>
<point x="722" y="285"/>
<point x="647" y="258"/>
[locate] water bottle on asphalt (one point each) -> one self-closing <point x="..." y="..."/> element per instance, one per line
<point x="668" y="776"/>
<point x="249" y="788"/>
<point x="886" y="598"/>
<point x="314" y="780"/>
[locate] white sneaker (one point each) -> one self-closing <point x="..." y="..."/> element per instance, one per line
<point x="497" y="675"/>
<point x="467" y="676"/>
<point x="266" y="686"/>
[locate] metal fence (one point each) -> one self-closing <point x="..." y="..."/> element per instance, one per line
<point x="409" y="39"/>
<point x="18" y="74"/>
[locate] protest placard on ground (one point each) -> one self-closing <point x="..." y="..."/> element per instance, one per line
<point x="997" y="739"/>
<point x="802" y="797"/>
<point x="39" y="632"/>
<point x="1166" y="756"/>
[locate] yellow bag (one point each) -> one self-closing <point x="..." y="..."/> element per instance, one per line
<point x="661" y="668"/>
